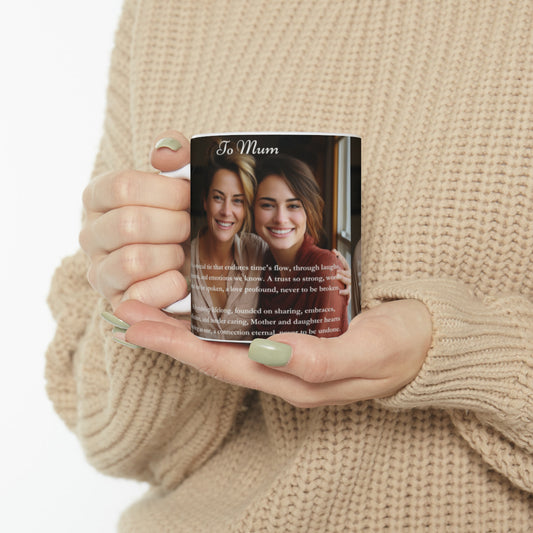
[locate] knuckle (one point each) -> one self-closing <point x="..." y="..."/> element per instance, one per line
<point x="87" y="196"/>
<point x="83" y="239"/>
<point x="317" y="367"/>
<point x="97" y="276"/>
<point x="132" y="262"/>
<point x="87" y="238"/>
<point x="124" y="188"/>
<point x="129" y="224"/>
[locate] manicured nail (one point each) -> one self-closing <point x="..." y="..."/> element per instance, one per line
<point x="124" y="343"/>
<point x="168" y="142"/>
<point x="119" y="335"/>
<point x="112" y="319"/>
<point x="269" y="352"/>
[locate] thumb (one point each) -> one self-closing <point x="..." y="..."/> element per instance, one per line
<point x="171" y="150"/>
<point x="312" y="359"/>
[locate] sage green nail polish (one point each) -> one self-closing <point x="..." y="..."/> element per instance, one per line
<point x="124" y="343"/>
<point x="168" y="142"/>
<point x="119" y="335"/>
<point x="269" y="352"/>
<point x="112" y="319"/>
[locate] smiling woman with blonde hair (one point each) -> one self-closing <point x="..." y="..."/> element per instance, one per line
<point x="239" y="164"/>
<point x="224" y="250"/>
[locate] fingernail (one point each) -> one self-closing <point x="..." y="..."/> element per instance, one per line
<point x="112" y="319"/>
<point x="168" y="142"/>
<point x="124" y="343"/>
<point x="119" y="335"/>
<point x="269" y="353"/>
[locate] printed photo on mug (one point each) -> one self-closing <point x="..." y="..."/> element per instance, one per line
<point x="275" y="234"/>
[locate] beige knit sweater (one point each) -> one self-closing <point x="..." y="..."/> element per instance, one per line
<point x="442" y="94"/>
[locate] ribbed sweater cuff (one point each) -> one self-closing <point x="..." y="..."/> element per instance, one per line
<point x="480" y="356"/>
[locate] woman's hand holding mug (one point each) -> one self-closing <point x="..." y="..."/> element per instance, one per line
<point x="381" y="352"/>
<point x="132" y="224"/>
<point x="134" y="228"/>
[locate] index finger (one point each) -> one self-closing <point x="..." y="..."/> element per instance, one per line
<point x="133" y="187"/>
<point x="229" y="362"/>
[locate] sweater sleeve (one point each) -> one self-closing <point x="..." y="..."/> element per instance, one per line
<point x="479" y="368"/>
<point x="137" y="413"/>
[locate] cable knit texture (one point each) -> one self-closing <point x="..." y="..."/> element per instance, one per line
<point x="442" y="95"/>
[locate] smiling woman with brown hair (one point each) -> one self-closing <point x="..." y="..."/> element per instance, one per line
<point x="299" y="275"/>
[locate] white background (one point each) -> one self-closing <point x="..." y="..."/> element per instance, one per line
<point x="54" y="59"/>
